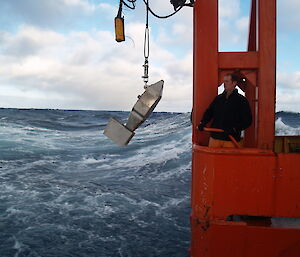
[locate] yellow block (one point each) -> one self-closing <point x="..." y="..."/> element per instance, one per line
<point x="119" y="29"/>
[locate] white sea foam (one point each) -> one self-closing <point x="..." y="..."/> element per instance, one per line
<point x="285" y="130"/>
<point x="154" y="154"/>
<point x="17" y="244"/>
<point x="175" y="202"/>
<point x="13" y="210"/>
<point x="103" y="158"/>
<point x="90" y="160"/>
<point x="172" y="172"/>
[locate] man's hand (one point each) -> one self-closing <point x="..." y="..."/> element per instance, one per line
<point x="230" y="132"/>
<point x="201" y="126"/>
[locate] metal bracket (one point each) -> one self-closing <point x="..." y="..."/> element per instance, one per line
<point x="122" y="134"/>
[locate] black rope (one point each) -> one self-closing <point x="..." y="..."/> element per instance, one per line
<point x="162" y="17"/>
<point x="119" y="15"/>
<point x="147" y="13"/>
<point x="146" y="47"/>
<point x="146" y="40"/>
<point x="150" y="10"/>
<point x="127" y="5"/>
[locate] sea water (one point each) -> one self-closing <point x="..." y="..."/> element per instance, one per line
<point x="66" y="190"/>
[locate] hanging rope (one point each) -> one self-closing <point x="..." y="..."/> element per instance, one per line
<point x="159" y="16"/>
<point x="146" y="43"/>
<point x="151" y="11"/>
<point x="127" y="5"/>
<point x="119" y="15"/>
<point x="146" y="47"/>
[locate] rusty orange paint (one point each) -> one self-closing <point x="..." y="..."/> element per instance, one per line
<point x="238" y="60"/>
<point x="252" y="181"/>
<point x="244" y="181"/>
<point x="266" y="73"/>
<point x="206" y="61"/>
<point x="239" y="240"/>
<point x="252" y="28"/>
<point x="248" y="181"/>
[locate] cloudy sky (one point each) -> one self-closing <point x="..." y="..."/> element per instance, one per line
<point x="62" y="53"/>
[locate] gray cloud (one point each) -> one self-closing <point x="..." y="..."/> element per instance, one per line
<point x="28" y="42"/>
<point x="91" y="68"/>
<point x="287" y="99"/>
<point x="289" y="80"/>
<point x="61" y="14"/>
<point x="288" y="16"/>
<point x="43" y="13"/>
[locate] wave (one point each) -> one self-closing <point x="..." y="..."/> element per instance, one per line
<point x="282" y="129"/>
<point x="159" y="124"/>
<point x="60" y="120"/>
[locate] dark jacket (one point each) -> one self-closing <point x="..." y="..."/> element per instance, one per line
<point x="231" y="114"/>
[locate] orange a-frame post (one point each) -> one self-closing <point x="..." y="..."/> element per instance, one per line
<point x="254" y="182"/>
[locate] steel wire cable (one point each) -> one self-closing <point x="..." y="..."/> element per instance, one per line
<point x="127" y="5"/>
<point x="150" y="10"/>
<point x="159" y="16"/>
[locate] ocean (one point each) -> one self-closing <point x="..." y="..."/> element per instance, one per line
<point x="67" y="190"/>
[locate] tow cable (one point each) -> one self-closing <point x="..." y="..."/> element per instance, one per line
<point x="146" y="47"/>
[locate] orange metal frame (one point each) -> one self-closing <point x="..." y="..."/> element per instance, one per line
<point x="257" y="66"/>
<point x="252" y="181"/>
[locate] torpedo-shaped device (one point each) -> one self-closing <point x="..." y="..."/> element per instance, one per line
<point x="121" y="134"/>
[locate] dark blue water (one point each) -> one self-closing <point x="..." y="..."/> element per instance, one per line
<point x="66" y="190"/>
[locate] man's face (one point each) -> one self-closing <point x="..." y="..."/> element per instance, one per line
<point x="228" y="84"/>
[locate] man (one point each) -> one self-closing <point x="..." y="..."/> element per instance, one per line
<point x="229" y="111"/>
